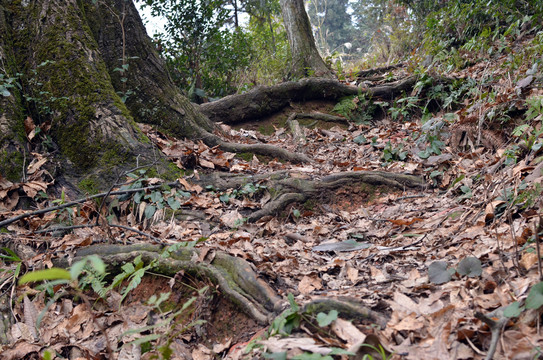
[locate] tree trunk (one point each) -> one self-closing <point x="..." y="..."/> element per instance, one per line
<point x="11" y="118"/>
<point x="306" y="59"/>
<point x="89" y="73"/>
<point x="65" y="84"/>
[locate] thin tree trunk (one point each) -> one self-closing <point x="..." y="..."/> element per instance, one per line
<point x="306" y="60"/>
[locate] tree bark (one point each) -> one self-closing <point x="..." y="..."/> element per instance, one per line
<point x="11" y="118"/>
<point x="65" y="83"/>
<point x="80" y="60"/>
<point x="264" y="101"/>
<point x="306" y="59"/>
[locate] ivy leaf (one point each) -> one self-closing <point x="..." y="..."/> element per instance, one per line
<point x="150" y="211"/>
<point x="535" y="297"/>
<point x="360" y="140"/>
<point x="276" y="356"/>
<point x="173" y="203"/>
<point x="326" y="319"/>
<point x="438" y="273"/>
<point x="470" y="266"/>
<point x="513" y="310"/>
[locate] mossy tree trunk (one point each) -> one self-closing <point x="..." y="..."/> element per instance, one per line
<point x="306" y="59"/>
<point x="65" y="86"/>
<point x="89" y="72"/>
<point x="11" y="117"/>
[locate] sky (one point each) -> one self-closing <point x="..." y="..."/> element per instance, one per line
<point x="152" y="24"/>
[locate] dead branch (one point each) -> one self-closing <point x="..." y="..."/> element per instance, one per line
<point x="379" y="70"/>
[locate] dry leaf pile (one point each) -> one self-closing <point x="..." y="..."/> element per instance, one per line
<point x="375" y="246"/>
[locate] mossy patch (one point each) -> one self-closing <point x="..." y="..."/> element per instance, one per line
<point x="90" y="185"/>
<point x="11" y="165"/>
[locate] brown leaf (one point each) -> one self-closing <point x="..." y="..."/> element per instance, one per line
<point x="308" y="284"/>
<point x="20" y="351"/>
<point x="347" y="332"/>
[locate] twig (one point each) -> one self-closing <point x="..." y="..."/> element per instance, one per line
<point x="537" y="229"/>
<point x="102" y="329"/>
<point x="495" y="328"/>
<point x="64" y="228"/>
<point x="79" y="201"/>
<point x="117" y="184"/>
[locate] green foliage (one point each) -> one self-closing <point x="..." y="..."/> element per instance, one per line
<point x="431" y="134"/>
<point x="209" y="58"/>
<point x="7" y="83"/>
<point x="326" y="319"/>
<point x="149" y="201"/>
<point x="479" y="26"/>
<point x="359" y="109"/>
<point x="289" y="319"/>
<point x="440" y="273"/>
<point x="386" y="30"/>
<point x="166" y="320"/>
<point x="391" y="153"/>
<point x="404" y="107"/>
<point x="40" y="101"/>
<point x="333" y="27"/>
<point x="248" y="190"/>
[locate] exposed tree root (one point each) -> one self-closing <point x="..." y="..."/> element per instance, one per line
<point x="363" y="74"/>
<point x="290" y="189"/>
<point x="259" y="149"/>
<point x="347" y="309"/>
<point x="322" y="117"/>
<point x="262" y="101"/>
<point x="234" y="276"/>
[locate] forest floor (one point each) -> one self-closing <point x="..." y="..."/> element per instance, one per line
<point x="370" y="243"/>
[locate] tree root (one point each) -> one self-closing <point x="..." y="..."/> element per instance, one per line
<point x="259" y="149"/>
<point x="363" y="74"/>
<point x="234" y="276"/>
<point x="347" y="309"/>
<point x="263" y="101"/>
<point x="322" y="117"/>
<point x="290" y="189"/>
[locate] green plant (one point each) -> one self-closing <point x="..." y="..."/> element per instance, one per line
<point x="391" y="153"/>
<point x="148" y="202"/>
<point x="9" y="272"/>
<point x="431" y="133"/>
<point x="439" y="272"/>
<point x="7" y="83"/>
<point x="90" y="272"/>
<point x="247" y="190"/>
<point x="403" y="108"/>
<point x="64" y="215"/>
<point x="358" y="108"/>
<point x="168" y="320"/>
<point x="293" y="318"/>
<point x="40" y="99"/>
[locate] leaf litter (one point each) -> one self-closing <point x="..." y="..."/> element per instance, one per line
<point x="392" y="251"/>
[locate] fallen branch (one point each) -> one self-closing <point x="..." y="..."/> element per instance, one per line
<point x="379" y="70"/>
